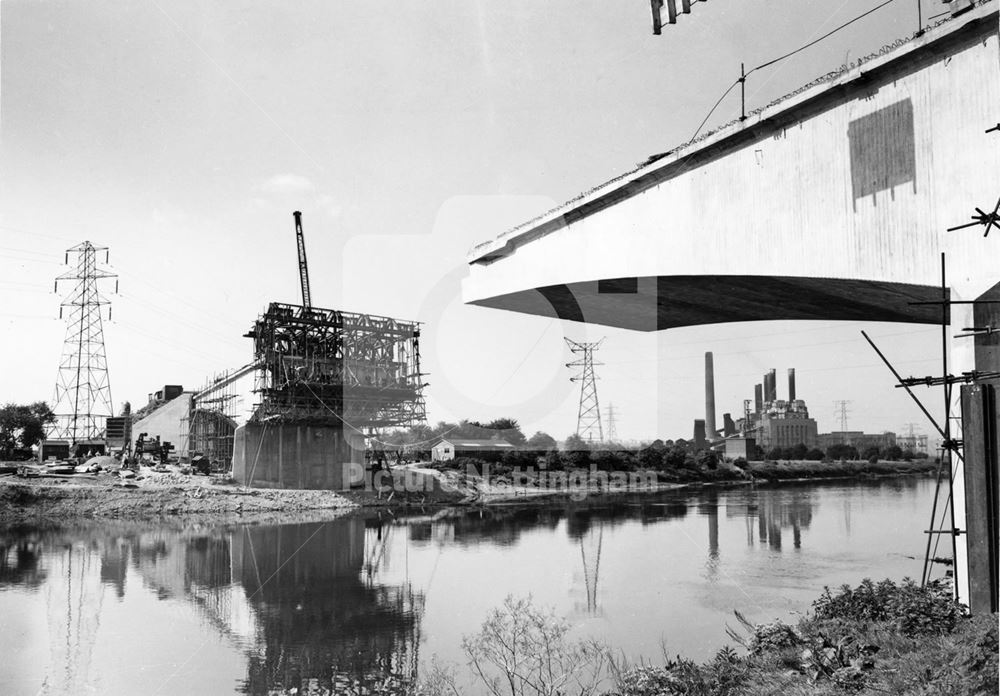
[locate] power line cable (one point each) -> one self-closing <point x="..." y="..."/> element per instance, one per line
<point x="821" y="38"/>
<point x="787" y="55"/>
<point x="524" y="359"/>
<point x="712" y="110"/>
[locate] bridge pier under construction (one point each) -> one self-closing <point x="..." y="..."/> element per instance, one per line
<point x="296" y="455"/>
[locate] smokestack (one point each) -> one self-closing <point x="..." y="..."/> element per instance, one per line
<point x="709" y="398"/>
<point x="772" y="379"/>
<point x="791" y="384"/>
<point x="728" y="426"/>
<point x="758" y="398"/>
<point x="699" y="434"/>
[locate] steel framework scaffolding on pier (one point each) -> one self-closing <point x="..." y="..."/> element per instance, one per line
<point x="325" y="366"/>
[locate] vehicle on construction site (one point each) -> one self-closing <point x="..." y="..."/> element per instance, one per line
<point x="149" y="450"/>
<point x="200" y="464"/>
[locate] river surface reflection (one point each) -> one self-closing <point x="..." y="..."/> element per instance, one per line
<point x="120" y="608"/>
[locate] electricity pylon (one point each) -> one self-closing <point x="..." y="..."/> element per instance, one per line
<point x="83" y="392"/>
<point x="612" y="429"/>
<point x="588" y="418"/>
<point x="842" y="413"/>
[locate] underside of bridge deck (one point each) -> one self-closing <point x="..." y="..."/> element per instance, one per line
<point x="650" y="304"/>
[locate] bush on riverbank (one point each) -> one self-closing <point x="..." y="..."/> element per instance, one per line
<point x="811" y="469"/>
<point x="877" y="638"/>
<point x="671" y="466"/>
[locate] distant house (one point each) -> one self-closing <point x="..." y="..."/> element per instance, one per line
<point x="737" y="447"/>
<point x="490" y="450"/>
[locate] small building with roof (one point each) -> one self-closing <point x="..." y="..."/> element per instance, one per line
<point x="489" y="450"/>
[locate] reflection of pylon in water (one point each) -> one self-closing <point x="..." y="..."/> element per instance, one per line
<point x="591" y="560"/>
<point x="376" y="545"/>
<point x="74" y="599"/>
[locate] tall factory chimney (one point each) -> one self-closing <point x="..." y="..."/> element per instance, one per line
<point x="791" y="384"/>
<point x="772" y="380"/>
<point x="710" y="432"/>
<point x="758" y="398"/>
<point x="699" y="434"/>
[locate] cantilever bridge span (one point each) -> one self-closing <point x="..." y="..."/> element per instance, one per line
<point x="832" y="204"/>
<point x="835" y="204"/>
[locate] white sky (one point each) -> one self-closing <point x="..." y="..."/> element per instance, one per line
<point x="182" y="134"/>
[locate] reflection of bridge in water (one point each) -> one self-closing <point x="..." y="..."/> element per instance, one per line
<point x="322" y="614"/>
<point x="299" y="600"/>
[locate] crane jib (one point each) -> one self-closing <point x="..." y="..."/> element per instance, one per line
<point x="303" y="266"/>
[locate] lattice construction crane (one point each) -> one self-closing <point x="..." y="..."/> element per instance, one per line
<point x="303" y="265"/>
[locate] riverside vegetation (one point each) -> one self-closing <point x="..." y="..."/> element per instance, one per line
<point x="676" y="466"/>
<point x="877" y="638"/>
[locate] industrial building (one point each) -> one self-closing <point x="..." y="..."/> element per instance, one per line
<point x="859" y="440"/>
<point x="193" y="423"/>
<point x="778" y="423"/>
<point x="913" y="442"/>
<point x="166" y="417"/>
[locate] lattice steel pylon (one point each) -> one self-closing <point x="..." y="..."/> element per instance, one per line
<point x="83" y="392"/>
<point x="841" y="413"/>
<point x="612" y="430"/>
<point x="588" y="419"/>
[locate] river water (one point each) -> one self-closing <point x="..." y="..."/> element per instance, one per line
<point x="121" y="608"/>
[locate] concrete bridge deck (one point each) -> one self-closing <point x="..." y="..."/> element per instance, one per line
<point x="831" y="204"/>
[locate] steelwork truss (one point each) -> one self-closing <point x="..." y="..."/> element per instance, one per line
<point x="327" y="366"/>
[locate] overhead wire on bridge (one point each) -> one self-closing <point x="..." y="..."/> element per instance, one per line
<point x="743" y="76"/>
<point x="821" y="38"/>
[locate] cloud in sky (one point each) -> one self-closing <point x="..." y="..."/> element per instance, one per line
<point x="286" y="184"/>
<point x="288" y="189"/>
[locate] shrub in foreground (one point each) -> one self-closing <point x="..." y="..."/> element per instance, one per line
<point x="860" y="640"/>
<point x="914" y="610"/>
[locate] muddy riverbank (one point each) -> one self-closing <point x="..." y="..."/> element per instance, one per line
<point x="157" y="496"/>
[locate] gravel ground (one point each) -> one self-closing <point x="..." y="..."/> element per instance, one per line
<point x="153" y="496"/>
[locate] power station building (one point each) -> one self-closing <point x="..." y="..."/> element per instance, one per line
<point x="780" y="423"/>
<point x="786" y="424"/>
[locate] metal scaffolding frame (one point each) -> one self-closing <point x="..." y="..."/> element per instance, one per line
<point x="212" y="420"/>
<point x="325" y="366"/>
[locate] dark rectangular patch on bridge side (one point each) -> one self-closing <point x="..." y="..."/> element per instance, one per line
<point x="883" y="154"/>
<point x="618" y="286"/>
